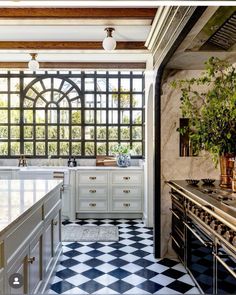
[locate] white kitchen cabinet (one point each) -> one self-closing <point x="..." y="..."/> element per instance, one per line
<point x="35" y="265"/>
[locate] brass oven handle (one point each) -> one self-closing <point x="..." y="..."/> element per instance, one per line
<point x="225" y="265"/>
<point x="126" y="178"/>
<point x="176" y="198"/>
<point x="31" y="260"/>
<point x="206" y="244"/>
<point x="175" y="241"/>
<point x="92" y="191"/>
<point x="173" y="212"/>
<point x="92" y="204"/>
<point x="92" y="177"/>
<point x="126" y="204"/>
<point x="126" y="191"/>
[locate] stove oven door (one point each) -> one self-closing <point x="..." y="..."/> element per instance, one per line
<point x="199" y="257"/>
<point x="225" y="272"/>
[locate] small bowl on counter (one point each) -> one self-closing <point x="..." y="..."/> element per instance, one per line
<point x="192" y="181"/>
<point x="208" y="181"/>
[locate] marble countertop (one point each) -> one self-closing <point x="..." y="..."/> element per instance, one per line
<point x="64" y="168"/>
<point x="17" y="197"/>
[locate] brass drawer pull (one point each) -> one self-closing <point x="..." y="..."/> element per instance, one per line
<point x="126" y="205"/>
<point x="126" y="178"/>
<point x="92" y="191"/>
<point x="126" y="191"/>
<point x="31" y="260"/>
<point x="92" y="204"/>
<point x="55" y="222"/>
<point x="92" y="177"/>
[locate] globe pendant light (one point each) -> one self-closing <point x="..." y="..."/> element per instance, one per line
<point x="33" y="64"/>
<point x="109" y="43"/>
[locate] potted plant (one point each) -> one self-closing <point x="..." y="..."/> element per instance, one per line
<point x="209" y="102"/>
<point x="122" y="153"/>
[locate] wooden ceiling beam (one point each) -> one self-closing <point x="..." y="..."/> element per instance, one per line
<point x="76" y="65"/>
<point x="67" y="45"/>
<point x="90" y="13"/>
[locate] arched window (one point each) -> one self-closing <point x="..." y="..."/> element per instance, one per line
<point x="52" y="117"/>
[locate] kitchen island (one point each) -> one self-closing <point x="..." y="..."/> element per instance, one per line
<point x="30" y="233"/>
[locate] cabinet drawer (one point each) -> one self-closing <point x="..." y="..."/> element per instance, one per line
<point x="92" y="177"/>
<point x="127" y="205"/>
<point x="126" y="177"/>
<point x="92" y="191"/>
<point x="92" y="205"/>
<point x="126" y="192"/>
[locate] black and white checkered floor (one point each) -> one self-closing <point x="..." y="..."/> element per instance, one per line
<point x="124" y="267"/>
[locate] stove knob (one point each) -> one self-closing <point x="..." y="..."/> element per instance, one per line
<point x="189" y="205"/>
<point x="198" y="212"/>
<point x="193" y="208"/>
<point x="207" y="219"/>
<point x="214" y="223"/>
<point x="202" y="215"/>
<point x="228" y="236"/>
<point x="234" y="241"/>
<point x="221" y="229"/>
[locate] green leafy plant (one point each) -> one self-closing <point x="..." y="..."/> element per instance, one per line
<point x="210" y="104"/>
<point x="121" y="149"/>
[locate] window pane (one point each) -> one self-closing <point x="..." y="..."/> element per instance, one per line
<point x="89" y="132"/>
<point x="52" y="132"/>
<point x="124" y="117"/>
<point x="3" y="84"/>
<point x="113" y="117"/>
<point x="64" y="103"/>
<point x="124" y="85"/>
<point x="76" y="148"/>
<point x="15" y="148"/>
<point x="137" y="148"/>
<point x="3" y="100"/>
<point x="76" y="117"/>
<point x="89" y="116"/>
<point x="64" y="148"/>
<point x="40" y="132"/>
<point x="28" y="116"/>
<point x="52" y="148"/>
<point x="15" y="116"/>
<point x="76" y="132"/>
<point x="113" y="85"/>
<point x="76" y="103"/>
<point x="137" y="101"/>
<point x="3" y="132"/>
<point x="64" y="116"/>
<point x="3" y="116"/>
<point x="28" y="103"/>
<point x="28" y="132"/>
<point x="3" y="148"/>
<point x="40" y="148"/>
<point x="113" y="132"/>
<point x="101" y="84"/>
<point x="38" y="86"/>
<point x="28" y="148"/>
<point x="64" y="132"/>
<point x="101" y="148"/>
<point x="113" y="101"/>
<point x="136" y="132"/>
<point x="52" y="116"/>
<point x="101" y="117"/>
<point x="15" y="132"/>
<point x="111" y="146"/>
<point x="15" y="100"/>
<point x="137" y="85"/>
<point x="89" y="148"/>
<point x="89" y="100"/>
<point x="124" y="133"/>
<point x="89" y="84"/>
<point x="101" y="133"/>
<point x="15" y="84"/>
<point x="40" y="116"/>
<point x="101" y="100"/>
<point x="137" y="117"/>
<point x="124" y="100"/>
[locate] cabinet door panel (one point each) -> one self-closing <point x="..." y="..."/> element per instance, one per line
<point x="35" y="266"/>
<point x="47" y="247"/>
<point x="126" y="178"/>
<point x="56" y="233"/>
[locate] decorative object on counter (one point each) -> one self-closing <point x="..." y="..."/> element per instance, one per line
<point x="71" y="163"/>
<point x="123" y="158"/>
<point x="209" y="104"/>
<point x="192" y="181"/>
<point x="22" y="161"/>
<point x="74" y="162"/>
<point x="105" y="161"/>
<point x="208" y="181"/>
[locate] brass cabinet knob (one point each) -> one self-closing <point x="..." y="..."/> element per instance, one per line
<point x="92" y="204"/>
<point x="92" y="191"/>
<point x="126" y="191"/>
<point x="31" y="260"/>
<point x="126" y="205"/>
<point x="92" y="177"/>
<point x="126" y="178"/>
